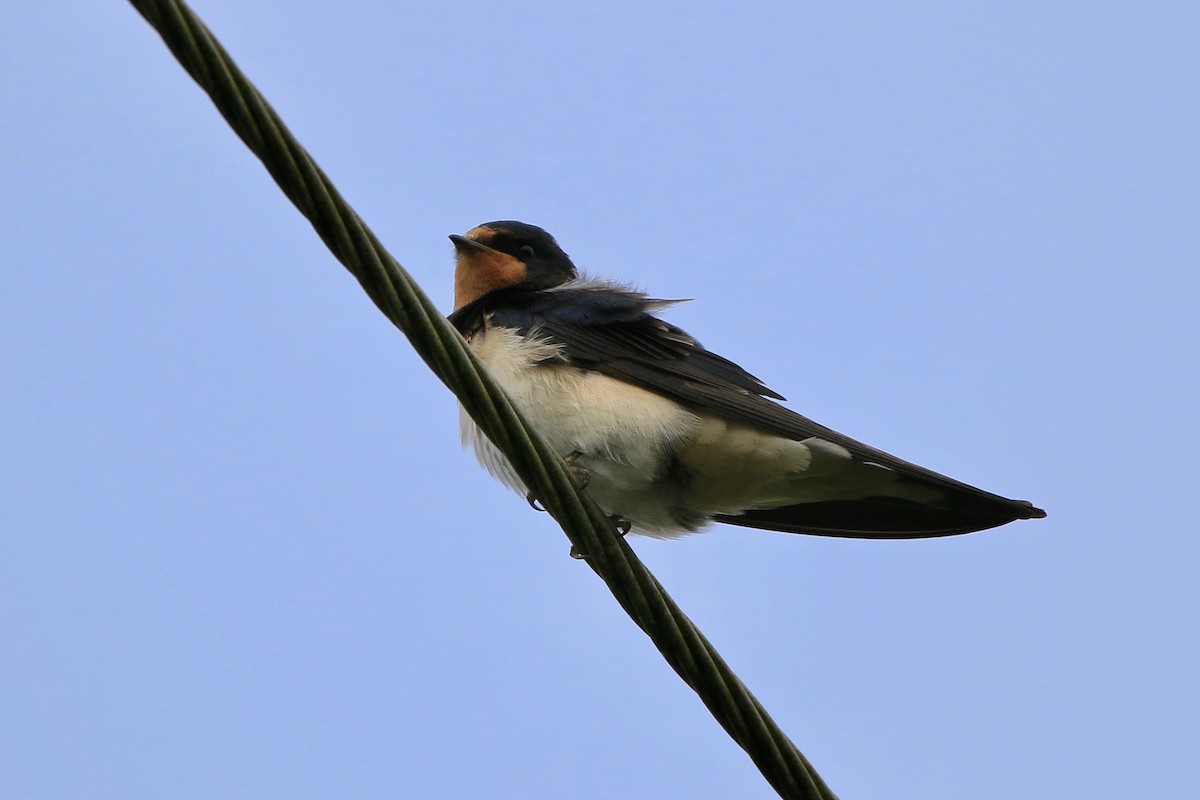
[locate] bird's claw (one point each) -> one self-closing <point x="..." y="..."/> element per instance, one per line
<point x="579" y="474"/>
<point x="620" y="524"/>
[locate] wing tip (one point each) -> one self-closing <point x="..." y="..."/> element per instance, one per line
<point x="1029" y="510"/>
<point x="886" y="517"/>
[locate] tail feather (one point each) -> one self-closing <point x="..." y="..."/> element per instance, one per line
<point x="956" y="511"/>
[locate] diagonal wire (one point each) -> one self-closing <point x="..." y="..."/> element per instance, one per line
<point x="446" y="353"/>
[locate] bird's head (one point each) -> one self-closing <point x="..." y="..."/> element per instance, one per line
<point x="507" y="255"/>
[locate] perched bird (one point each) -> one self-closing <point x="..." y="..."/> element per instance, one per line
<point x="668" y="435"/>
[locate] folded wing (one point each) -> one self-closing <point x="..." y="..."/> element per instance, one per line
<point x="611" y="330"/>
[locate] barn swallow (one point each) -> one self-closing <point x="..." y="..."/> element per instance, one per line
<point x="669" y="435"/>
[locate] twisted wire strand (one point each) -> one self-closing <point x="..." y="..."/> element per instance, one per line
<point x="445" y="352"/>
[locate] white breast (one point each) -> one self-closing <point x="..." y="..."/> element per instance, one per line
<point x="626" y="434"/>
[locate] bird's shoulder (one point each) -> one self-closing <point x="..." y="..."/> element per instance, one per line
<point x="588" y="303"/>
<point x="614" y="329"/>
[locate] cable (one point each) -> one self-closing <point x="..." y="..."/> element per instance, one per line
<point x="446" y="353"/>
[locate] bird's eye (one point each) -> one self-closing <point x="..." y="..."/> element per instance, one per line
<point x="526" y="252"/>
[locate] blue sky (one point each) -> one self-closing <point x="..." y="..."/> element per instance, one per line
<point x="242" y="553"/>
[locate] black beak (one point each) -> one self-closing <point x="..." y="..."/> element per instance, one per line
<point x="464" y="245"/>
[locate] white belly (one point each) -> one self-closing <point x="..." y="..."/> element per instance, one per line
<point x="651" y="461"/>
<point x="626" y="435"/>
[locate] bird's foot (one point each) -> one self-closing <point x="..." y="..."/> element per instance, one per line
<point x="620" y="524"/>
<point x="580" y="474"/>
